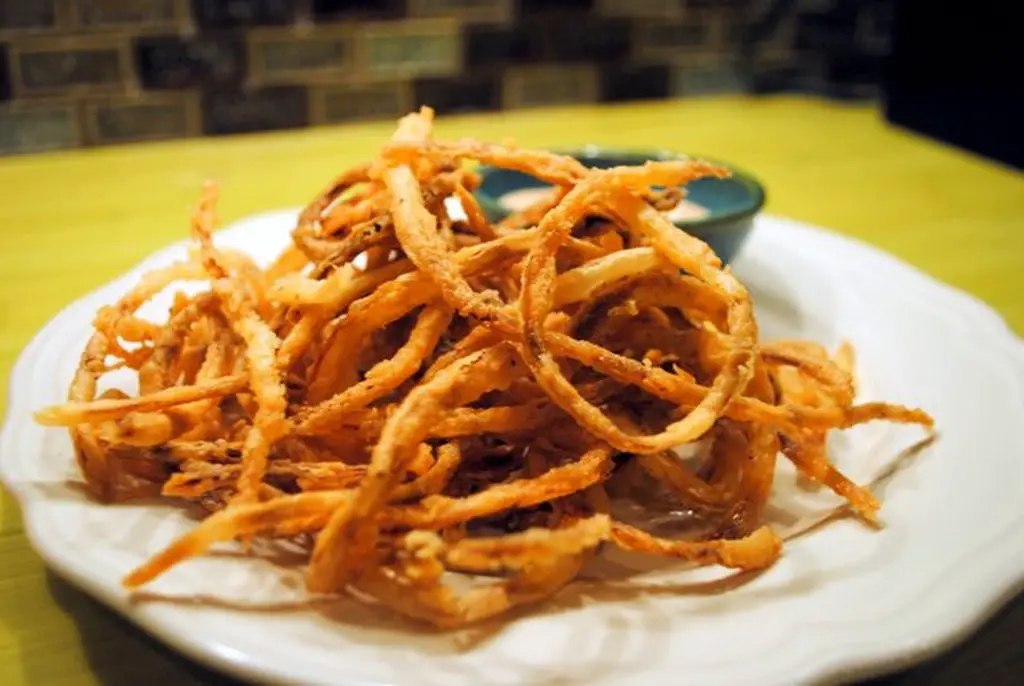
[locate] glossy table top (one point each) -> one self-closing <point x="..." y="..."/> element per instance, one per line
<point x="71" y="221"/>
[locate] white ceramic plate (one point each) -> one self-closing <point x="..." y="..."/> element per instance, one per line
<point x="843" y="602"/>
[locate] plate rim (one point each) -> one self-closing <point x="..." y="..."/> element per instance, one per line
<point x="866" y="660"/>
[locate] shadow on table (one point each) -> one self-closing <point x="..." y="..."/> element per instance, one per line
<point x="993" y="656"/>
<point x="119" y="653"/>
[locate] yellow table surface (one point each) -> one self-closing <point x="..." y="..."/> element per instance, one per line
<point x="71" y="221"/>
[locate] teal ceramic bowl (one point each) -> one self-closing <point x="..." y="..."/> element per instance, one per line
<point x="718" y="211"/>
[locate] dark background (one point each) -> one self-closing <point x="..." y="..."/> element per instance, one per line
<point x="93" y="72"/>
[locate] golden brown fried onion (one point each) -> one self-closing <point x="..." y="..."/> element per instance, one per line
<point x="425" y="398"/>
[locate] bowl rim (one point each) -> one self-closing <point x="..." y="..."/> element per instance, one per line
<point x="591" y="151"/>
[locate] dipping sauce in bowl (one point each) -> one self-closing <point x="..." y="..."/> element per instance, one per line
<point x="718" y="211"/>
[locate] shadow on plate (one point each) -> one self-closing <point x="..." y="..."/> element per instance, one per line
<point x="118" y="652"/>
<point x="375" y="624"/>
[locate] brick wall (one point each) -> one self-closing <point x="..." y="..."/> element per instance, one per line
<point x="96" y="72"/>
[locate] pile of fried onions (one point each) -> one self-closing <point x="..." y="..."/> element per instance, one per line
<point x="422" y="399"/>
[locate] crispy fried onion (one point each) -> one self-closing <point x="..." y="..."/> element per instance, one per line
<point x="449" y="412"/>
